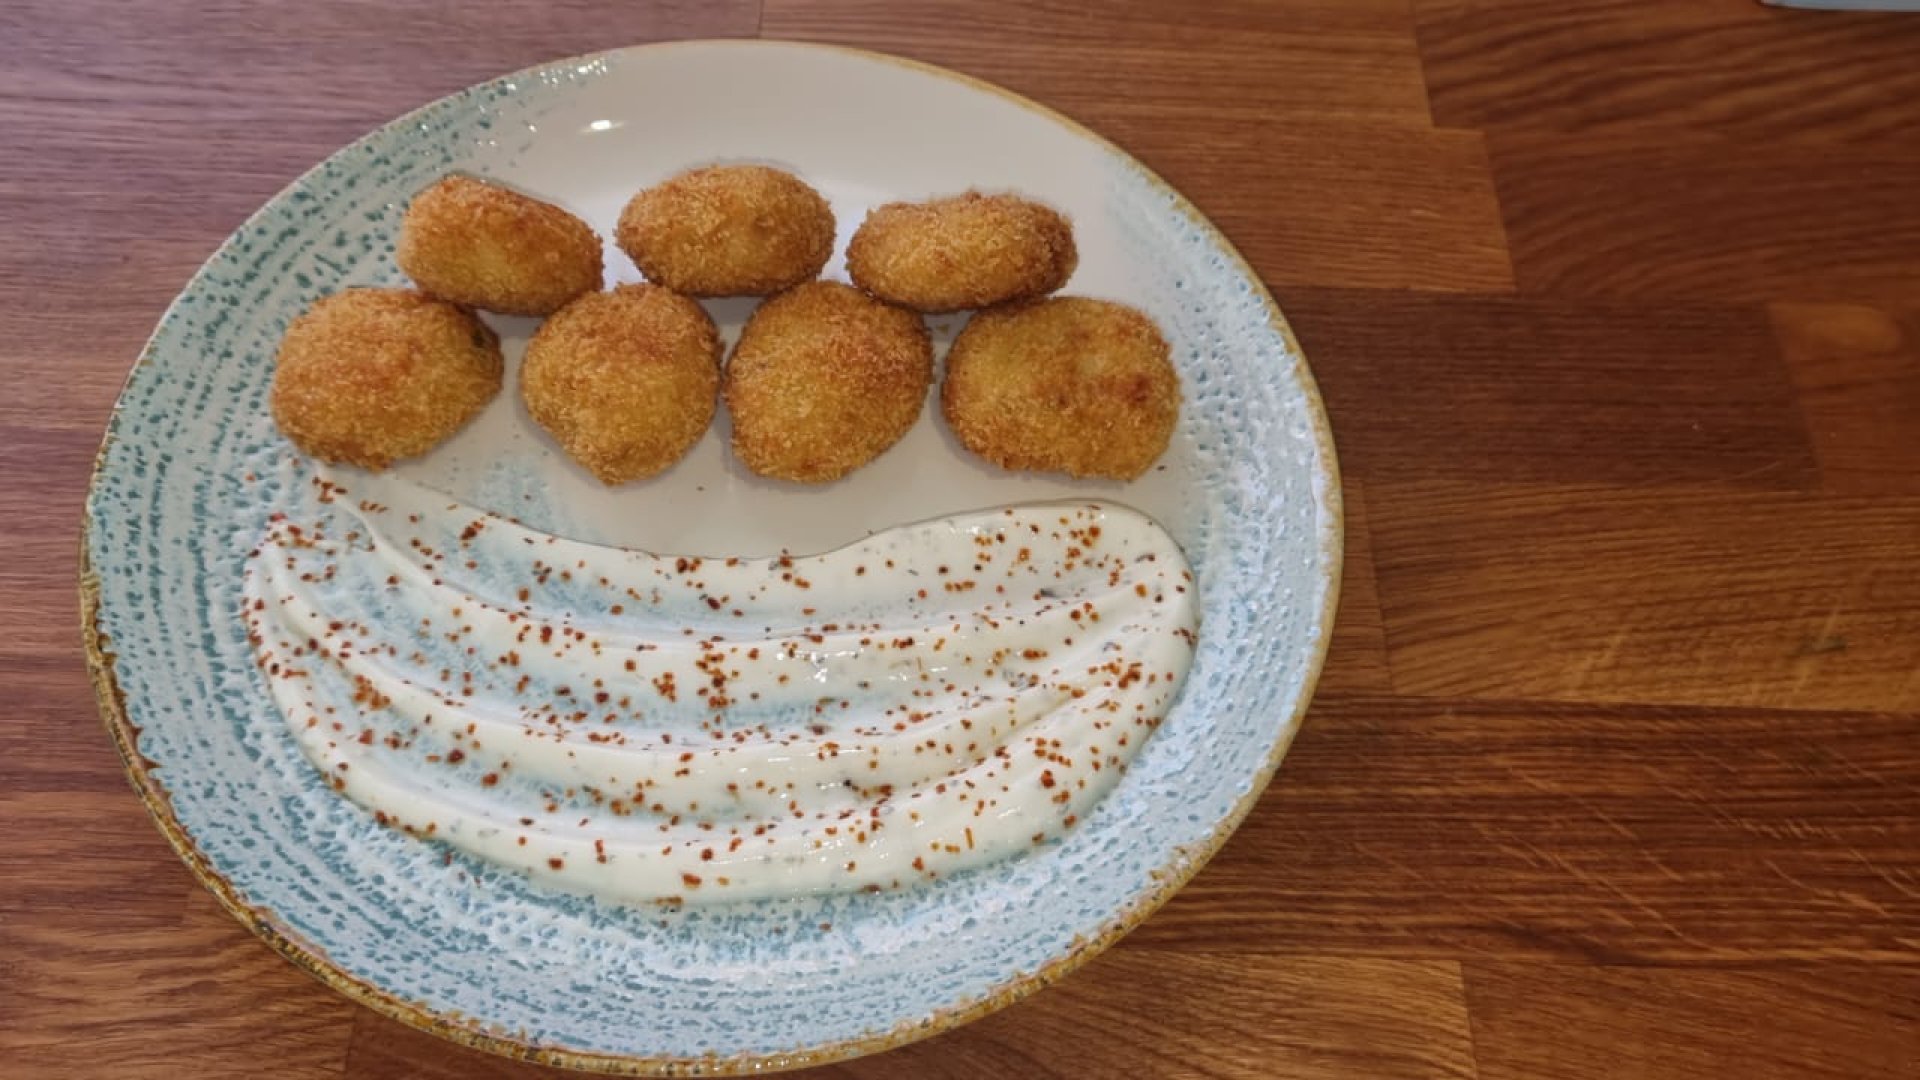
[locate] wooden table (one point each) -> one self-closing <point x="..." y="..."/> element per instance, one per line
<point x="1615" y="767"/>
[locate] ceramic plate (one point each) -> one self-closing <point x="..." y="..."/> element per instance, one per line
<point x="192" y="467"/>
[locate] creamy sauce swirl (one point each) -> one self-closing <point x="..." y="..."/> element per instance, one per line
<point x="691" y="730"/>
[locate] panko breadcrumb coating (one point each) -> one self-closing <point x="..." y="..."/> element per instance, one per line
<point x="1068" y="384"/>
<point x="485" y="246"/>
<point x="369" y="376"/>
<point x="968" y="251"/>
<point x="728" y="230"/>
<point x="823" y="380"/>
<point x="625" y="381"/>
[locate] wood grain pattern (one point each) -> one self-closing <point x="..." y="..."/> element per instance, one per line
<point x="1304" y="105"/>
<point x="1844" y="1023"/>
<point x="49" y="708"/>
<point x="1615" y="768"/>
<point x="1307" y="1017"/>
<point x="1689" y="216"/>
<point x="1857" y="370"/>
<point x="1241" y="59"/>
<point x="1573" y="833"/>
<point x="87" y="854"/>
<point x="103" y="998"/>
<point x="37" y="523"/>
<point x="1680" y="595"/>
<point x="1315" y="1018"/>
<point x="1375" y="207"/>
<point x="1497" y="389"/>
<point x="1717" y="65"/>
<point x="1357" y="655"/>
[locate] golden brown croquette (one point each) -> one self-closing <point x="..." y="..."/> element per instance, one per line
<point x="1068" y="384"/>
<point x="370" y="376"/>
<point x="967" y="251"/>
<point x="485" y="246"/>
<point x="728" y="230"/>
<point x="625" y="381"/>
<point x="824" y="379"/>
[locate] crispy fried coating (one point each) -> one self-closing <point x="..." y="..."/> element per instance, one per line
<point x="728" y="230"/>
<point x="485" y="246"/>
<point x="1068" y="384"/>
<point x="823" y="380"/>
<point x="369" y="376"/>
<point x="968" y="251"/>
<point x="626" y="381"/>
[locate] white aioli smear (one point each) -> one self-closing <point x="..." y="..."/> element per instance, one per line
<point x="693" y="730"/>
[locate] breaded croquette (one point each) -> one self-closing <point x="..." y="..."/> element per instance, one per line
<point x="369" y="376"/>
<point x="485" y="246"/>
<point x="1072" y="385"/>
<point x="626" y="381"/>
<point x="968" y="251"/>
<point x="824" y="379"/>
<point x="728" y="230"/>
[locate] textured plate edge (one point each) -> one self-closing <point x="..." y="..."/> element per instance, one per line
<point x="1188" y="862"/>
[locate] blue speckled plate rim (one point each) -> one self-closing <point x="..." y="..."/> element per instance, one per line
<point x="461" y="1029"/>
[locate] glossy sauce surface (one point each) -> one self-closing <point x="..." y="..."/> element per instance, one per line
<point x="688" y="730"/>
